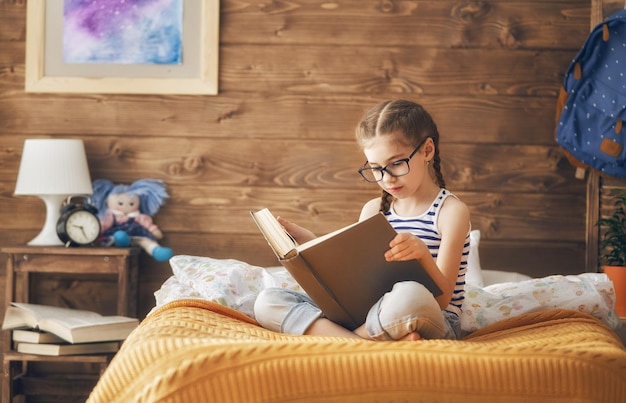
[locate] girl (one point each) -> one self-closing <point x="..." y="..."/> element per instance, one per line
<point x="401" y="144"/>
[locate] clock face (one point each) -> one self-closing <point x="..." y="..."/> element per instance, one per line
<point x="82" y="227"/>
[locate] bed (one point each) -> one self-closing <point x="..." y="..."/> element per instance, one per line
<point x="540" y="340"/>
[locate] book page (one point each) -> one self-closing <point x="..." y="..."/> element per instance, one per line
<point x="54" y="312"/>
<point x="76" y="322"/>
<point x="279" y="240"/>
<point x="29" y="315"/>
<point x="15" y="318"/>
<point x="83" y="330"/>
<point x="72" y="325"/>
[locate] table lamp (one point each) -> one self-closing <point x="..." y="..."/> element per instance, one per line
<point x="53" y="169"/>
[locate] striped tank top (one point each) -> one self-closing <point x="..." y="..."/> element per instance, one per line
<point x="425" y="227"/>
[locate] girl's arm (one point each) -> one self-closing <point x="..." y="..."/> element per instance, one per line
<point x="454" y="225"/>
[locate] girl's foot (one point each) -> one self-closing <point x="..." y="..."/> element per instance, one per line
<point x="411" y="337"/>
<point x="361" y="332"/>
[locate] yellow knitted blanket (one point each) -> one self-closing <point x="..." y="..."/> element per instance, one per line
<point x="199" y="351"/>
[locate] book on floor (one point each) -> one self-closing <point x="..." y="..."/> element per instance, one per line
<point x="34" y="336"/>
<point x="72" y="325"/>
<point x="345" y="271"/>
<point x="68" y="349"/>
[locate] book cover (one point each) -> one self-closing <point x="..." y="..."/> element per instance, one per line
<point x="72" y="325"/>
<point x="345" y="272"/>
<point x="68" y="349"/>
<point x="35" y="336"/>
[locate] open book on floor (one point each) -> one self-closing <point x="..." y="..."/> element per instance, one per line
<point x="344" y="272"/>
<point x="68" y="349"/>
<point x="72" y="325"/>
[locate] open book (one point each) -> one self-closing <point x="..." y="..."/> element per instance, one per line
<point x="72" y="325"/>
<point x="344" y="272"/>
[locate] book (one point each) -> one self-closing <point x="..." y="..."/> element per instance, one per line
<point x="72" y="325"/>
<point x="35" y="336"/>
<point x="68" y="349"/>
<point x="345" y="271"/>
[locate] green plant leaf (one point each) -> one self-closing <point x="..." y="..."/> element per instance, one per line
<point x="613" y="233"/>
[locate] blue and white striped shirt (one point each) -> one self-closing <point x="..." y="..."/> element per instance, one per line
<point x="425" y="227"/>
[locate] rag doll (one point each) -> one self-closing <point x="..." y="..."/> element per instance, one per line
<point x="126" y="211"/>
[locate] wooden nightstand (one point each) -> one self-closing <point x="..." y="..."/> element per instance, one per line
<point x="120" y="264"/>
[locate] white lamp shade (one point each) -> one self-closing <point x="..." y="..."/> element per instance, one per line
<point x="53" y="167"/>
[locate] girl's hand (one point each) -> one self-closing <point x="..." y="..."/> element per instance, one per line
<point x="300" y="234"/>
<point x="406" y="246"/>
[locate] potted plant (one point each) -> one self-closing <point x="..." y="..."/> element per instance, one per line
<point x="613" y="249"/>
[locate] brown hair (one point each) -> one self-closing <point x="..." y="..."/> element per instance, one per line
<point x="403" y="116"/>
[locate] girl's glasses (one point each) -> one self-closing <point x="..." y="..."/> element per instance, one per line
<point x="396" y="168"/>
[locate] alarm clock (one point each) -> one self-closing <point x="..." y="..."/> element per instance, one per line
<point x="78" y="224"/>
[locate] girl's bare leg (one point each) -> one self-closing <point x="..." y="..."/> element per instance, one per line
<point x="325" y="327"/>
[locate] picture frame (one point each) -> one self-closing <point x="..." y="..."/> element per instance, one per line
<point x="197" y="74"/>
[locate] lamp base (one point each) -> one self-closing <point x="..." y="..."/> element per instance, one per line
<point x="48" y="235"/>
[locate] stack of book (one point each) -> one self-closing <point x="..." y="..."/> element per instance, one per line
<point x="50" y="330"/>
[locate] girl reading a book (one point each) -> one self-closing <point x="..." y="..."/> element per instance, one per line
<point x="401" y="143"/>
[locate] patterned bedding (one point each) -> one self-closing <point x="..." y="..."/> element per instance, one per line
<point x="235" y="284"/>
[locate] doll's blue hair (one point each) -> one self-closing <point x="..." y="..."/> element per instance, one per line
<point x="151" y="193"/>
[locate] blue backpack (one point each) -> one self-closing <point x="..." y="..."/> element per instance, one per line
<point x="591" y="108"/>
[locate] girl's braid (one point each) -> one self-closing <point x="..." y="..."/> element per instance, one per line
<point x="437" y="162"/>
<point x="385" y="201"/>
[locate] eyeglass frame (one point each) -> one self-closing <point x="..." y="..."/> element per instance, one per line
<point x="384" y="169"/>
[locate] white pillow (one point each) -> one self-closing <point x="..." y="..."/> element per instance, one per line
<point x="499" y="276"/>
<point x="229" y="282"/>
<point x="591" y="293"/>
<point x="473" y="275"/>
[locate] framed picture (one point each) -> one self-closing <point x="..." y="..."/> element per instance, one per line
<point x="126" y="47"/>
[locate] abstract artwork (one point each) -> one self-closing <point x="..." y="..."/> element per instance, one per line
<point x="122" y="46"/>
<point x="123" y="31"/>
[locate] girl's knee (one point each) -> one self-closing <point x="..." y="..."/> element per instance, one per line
<point x="410" y="295"/>
<point x="274" y="306"/>
<point x="408" y="307"/>
<point x="269" y="308"/>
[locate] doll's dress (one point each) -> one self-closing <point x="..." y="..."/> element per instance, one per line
<point x="129" y="225"/>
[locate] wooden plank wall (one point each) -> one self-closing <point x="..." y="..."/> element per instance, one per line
<point x="294" y="79"/>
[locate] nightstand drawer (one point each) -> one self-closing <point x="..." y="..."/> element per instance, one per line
<point x="35" y="263"/>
